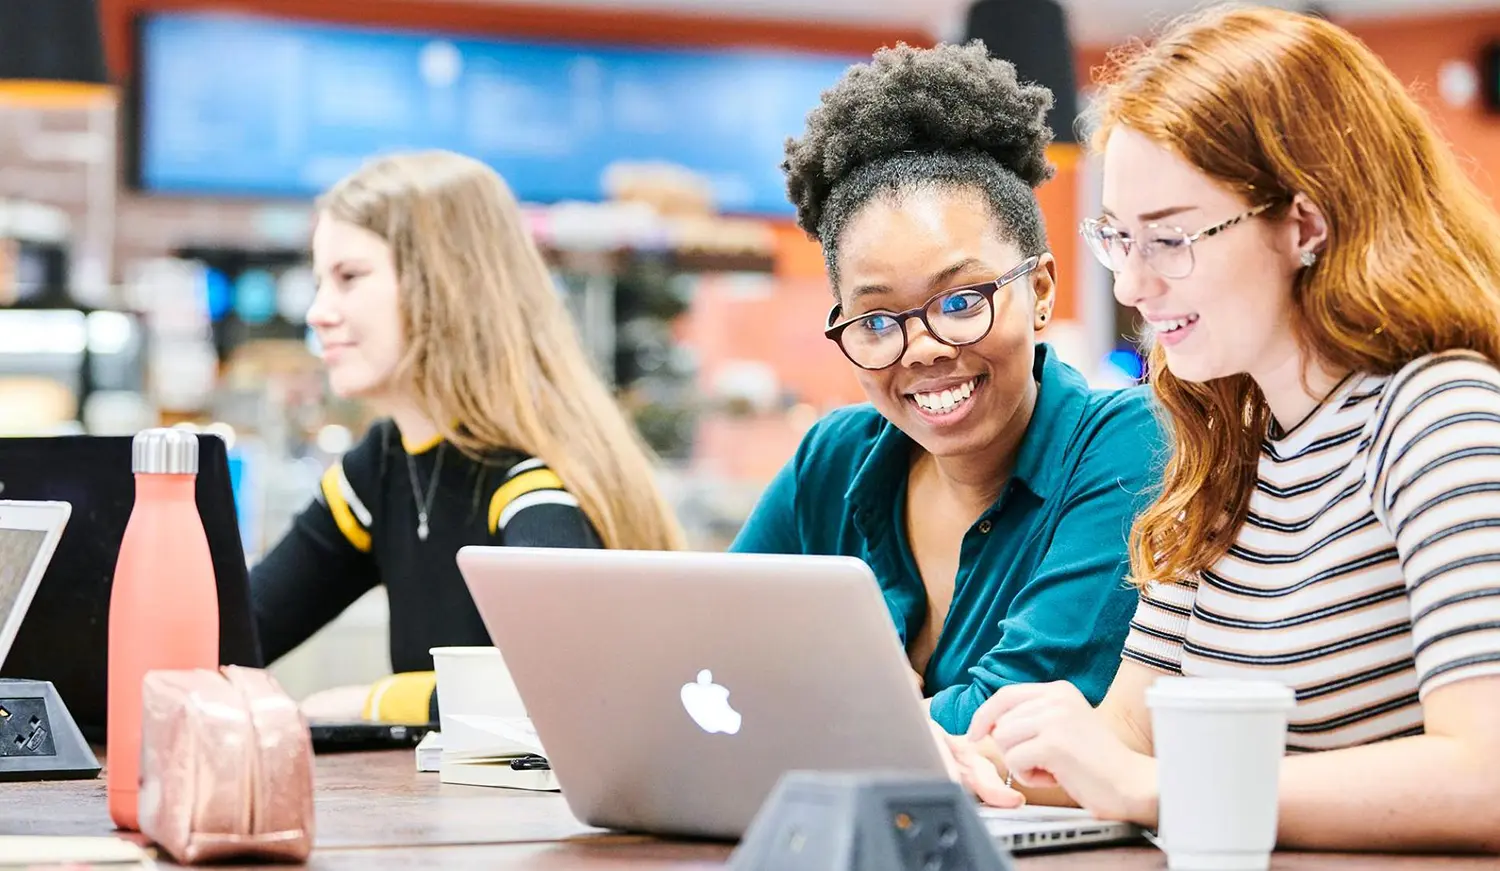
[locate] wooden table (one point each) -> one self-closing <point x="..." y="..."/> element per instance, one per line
<point x="374" y="811"/>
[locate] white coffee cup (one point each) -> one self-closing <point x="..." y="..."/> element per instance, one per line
<point x="474" y="681"/>
<point x="1219" y="746"/>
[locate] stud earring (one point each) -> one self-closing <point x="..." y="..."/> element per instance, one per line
<point x="1309" y="258"/>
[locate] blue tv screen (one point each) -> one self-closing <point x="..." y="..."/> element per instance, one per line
<point x="242" y="106"/>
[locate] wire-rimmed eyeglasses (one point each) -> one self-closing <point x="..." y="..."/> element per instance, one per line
<point x="1166" y="249"/>
<point x="956" y="317"/>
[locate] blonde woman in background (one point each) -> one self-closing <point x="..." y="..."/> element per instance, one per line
<point x="435" y="307"/>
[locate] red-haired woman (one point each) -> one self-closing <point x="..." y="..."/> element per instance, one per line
<point x="1323" y="287"/>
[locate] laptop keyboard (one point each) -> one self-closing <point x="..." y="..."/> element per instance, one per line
<point x="1028" y="828"/>
<point x="1034" y="814"/>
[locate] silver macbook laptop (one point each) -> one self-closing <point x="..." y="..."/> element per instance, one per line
<point x="672" y="690"/>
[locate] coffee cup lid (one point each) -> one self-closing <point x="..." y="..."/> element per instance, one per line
<point x="1220" y="694"/>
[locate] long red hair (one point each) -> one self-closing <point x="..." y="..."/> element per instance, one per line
<point x="1270" y="104"/>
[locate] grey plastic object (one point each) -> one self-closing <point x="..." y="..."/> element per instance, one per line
<point x="38" y="738"/>
<point x="871" y="821"/>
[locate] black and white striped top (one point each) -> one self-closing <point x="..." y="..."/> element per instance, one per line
<point x="1368" y="572"/>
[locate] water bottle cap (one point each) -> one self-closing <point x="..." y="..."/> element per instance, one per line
<point x="163" y="451"/>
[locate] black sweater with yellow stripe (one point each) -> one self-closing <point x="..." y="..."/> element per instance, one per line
<point x="362" y="530"/>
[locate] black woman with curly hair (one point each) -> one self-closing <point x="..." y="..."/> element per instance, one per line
<point x="987" y="485"/>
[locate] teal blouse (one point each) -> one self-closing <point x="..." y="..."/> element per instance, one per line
<point x="1040" y="593"/>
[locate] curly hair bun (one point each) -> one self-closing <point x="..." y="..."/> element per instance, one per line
<point x="949" y="99"/>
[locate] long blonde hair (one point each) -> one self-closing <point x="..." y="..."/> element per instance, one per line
<point x="492" y="355"/>
<point x="1271" y="104"/>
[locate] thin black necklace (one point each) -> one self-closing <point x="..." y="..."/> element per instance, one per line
<point x="1278" y="433"/>
<point x="424" y="506"/>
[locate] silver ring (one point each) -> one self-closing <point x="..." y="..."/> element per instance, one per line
<point x="1008" y="776"/>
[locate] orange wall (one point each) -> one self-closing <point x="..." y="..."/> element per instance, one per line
<point x="1058" y="198"/>
<point x="1415" y="49"/>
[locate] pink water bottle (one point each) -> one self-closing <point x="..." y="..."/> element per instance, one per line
<point x="164" y="605"/>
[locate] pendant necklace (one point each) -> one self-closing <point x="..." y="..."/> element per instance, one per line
<point x="424" y="505"/>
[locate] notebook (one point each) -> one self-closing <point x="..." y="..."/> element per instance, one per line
<point x="509" y="772"/>
<point x="494" y="751"/>
<point x="430" y="752"/>
<point x="36" y="852"/>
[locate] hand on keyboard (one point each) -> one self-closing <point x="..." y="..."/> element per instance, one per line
<point x="969" y="767"/>
<point x="1056" y="743"/>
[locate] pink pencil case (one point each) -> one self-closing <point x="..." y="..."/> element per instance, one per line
<point x="226" y="767"/>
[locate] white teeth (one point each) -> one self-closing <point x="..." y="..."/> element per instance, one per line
<point x="945" y="401"/>
<point x="1174" y="325"/>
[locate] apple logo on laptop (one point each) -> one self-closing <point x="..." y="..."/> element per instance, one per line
<point x="708" y="704"/>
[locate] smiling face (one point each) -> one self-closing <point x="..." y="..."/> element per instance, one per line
<point x="356" y="312"/>
<point x="1232" y="311"/>
<point x="896" y="254"/>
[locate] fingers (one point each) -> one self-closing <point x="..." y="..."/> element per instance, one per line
<point x="1001" y="703"/>
<point x="989" y="753"/>
<point x="1030" y="765"/>
<point x="1036" y="778"/>
<point x="1024" y="722"/>
<point x="1011" y="732"/>
<point x="983" y="779"/>
<point x="986" y="748"/>
<point x="1025" y="739"/>
<point x="996" y="794"/>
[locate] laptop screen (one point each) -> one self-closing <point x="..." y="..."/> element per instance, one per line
<point x="18" y="552"/>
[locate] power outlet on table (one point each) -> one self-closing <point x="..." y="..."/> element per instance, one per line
<point x="929" y="837"/>
<point x="24" y="730"/>
<point x="867" y="821"/>
<point x="38" y="738"/>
